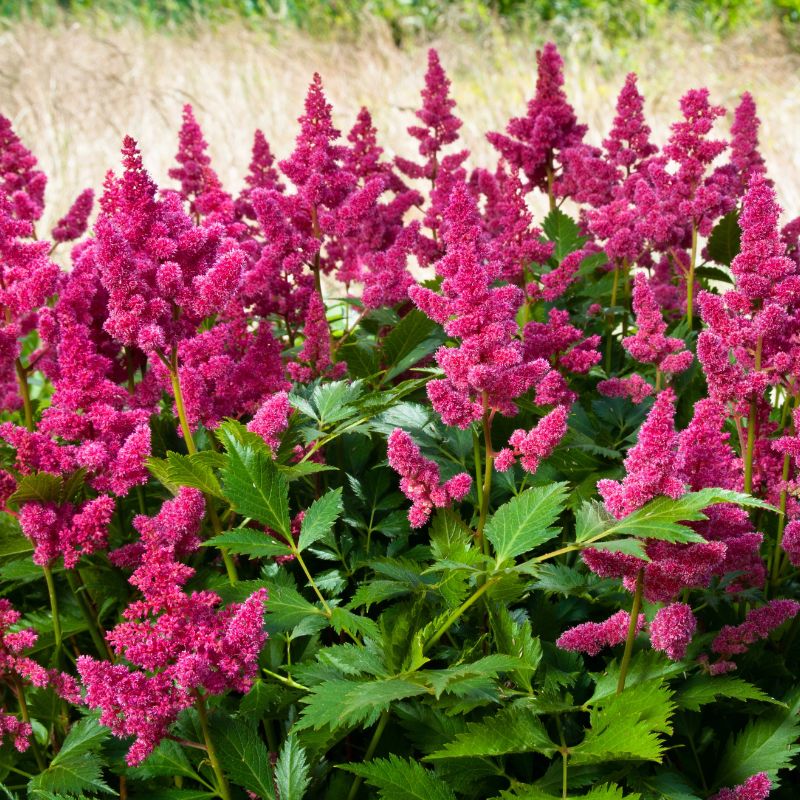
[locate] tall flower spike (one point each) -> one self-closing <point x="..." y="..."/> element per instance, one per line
<point x="21" y="184"/>
<point x="488" y="367"/>
<point x="420" y="480"/>
<point x="533" y="446"/>
<point x="628" y="143"/>
<point x="314" y="359"/>
<point x="75" y="222"/>
<point x="261" y="175"/>
<point x="758" y="624"/>
<point x="532" y="143"/>
<point x="745" y="156"/>
<point x="439" y="125"/>
<point x="649" y="344"/>
<point x="650" y="465"/>
<point x="271" y="419"/>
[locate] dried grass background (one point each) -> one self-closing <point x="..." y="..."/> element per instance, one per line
<point x="72" y="92"/>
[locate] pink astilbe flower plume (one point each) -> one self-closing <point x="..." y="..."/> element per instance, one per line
<point x="650" y="465"/>
<point x="533" y="143"/>
<point x="21" y="184"/>
<point x="420" y="480"/>
<point x="592" y="637"/>
<point x="745" y="155"/>
<point x="628" y="143"/>
<point x="177" y="646"/>
<point x="634" y="387"/>
<point x="488" y="369"/>
<point x="533" y="446"/>
<point x="262" y="174"/>
<point x="271" y="419"/>
<point x="672" y="630"/>
<point x="756" y="787"/>
<point x="314" y="359"/>
<point x="757" y="625"/>
<point x="75" y="222"/>
<point x="649" y="345"/>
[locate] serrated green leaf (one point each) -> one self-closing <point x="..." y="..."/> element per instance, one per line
<point x="607" y="791"/>
<point x="767" y="744"/>
<point x="41" y="487"/>
<point x="724" y="242"/>
<point x="249" y="542"/>
<point x="344" y="620"/>
<point x="448" y="680"/>
<point x="344" y="703"/>
<point x="287" y="608"/>
<point x="186" y="470"/>
<point x="254" y="485"/>
<point x="73" y="775"/>
<point x="292" y="770"/>
<point x="512" y="730"/>
<point x="413" y="338"/>
<point x="400" y="779"/>
<point x="320" y="517"/>
<point x="564" y="231"/>
<point x="244" y="757"/>
<point x="700" y="690"/>
<point x="523" y="523"/>
<point x="167" y="760"/>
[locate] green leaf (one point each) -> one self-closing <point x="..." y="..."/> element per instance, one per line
<point x="292" y="770"/>
<point x="75" y="768"/>
<point x="701" y="690"/>
<point x="523" y="523"/>
<point x="320" y="517"/>
<point x="448" y="680"/>
<point x="249" y="542"/>
<point x="167" y="760"/>
<point x="413" y="338"/>
<point x="512" y="730"/>
<point x="626" y="727"/>
<point x="607" y="791"/>
<point x="244" y="757"/>
<point x="344" y="620"/>
<point x="400" y="779"/>
<point x="725" y="239"/>
<point x="344" y="703"/>
<point x="766" y="744"/>
<point x="254" y="485"/>
<point x="287" y="608"/>
<point x="182" y="470"/>
<point x="41" y="487"/>
<point x="564" y="231"/>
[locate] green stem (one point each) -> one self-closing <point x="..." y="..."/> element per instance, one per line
<point x="550" y="180"/>
<point x="626" y="656"/>
<point x="659" y="376"/>
<point x="216" y="526"/>
<point x="486" y="490"/>
<point x="26" y="717"/>
<point x="777" y="555"/>
<point x="51" y="590"/>
<point x="690" y="278"/>
<point x="223" y="789"/>
<point x="454" y="615"/>
<point x="79" y="590"/>
<point x="371" y="748"/>
<point x="285" y="680"/>
<point x="176" y="390"/>
<point x="564" y="750"/>
<point x="751" y="428"/>
<point x="610" y="323"/>
<point x="311" y="581"/>
<point x="24" y="390"/>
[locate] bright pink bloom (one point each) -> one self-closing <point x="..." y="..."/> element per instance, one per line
<point x="75" y="222"/>
<point x="488" y="367"/>
<point x="439" y="125"/>
<point x="745" y="156"/>
<point x="534" y="142"/>
<point x="420" y="480"/>
<point x="262" y="175"/>
<point x="592" y="637"/>
<point x="21" y="184"/>
<point x="791" y="542"/>
<point x="649" y="344"/>
<point x="672" y="629"/>
<point x="271" y="419"/>
<point x="756" y="787"/>
<point x="633" y="386"/>
<point x="314" y="359"/>
<point x="533" y="446"/>
<point x="628" y="143"/>
<point x="15" y="729"/>
<point x="758" y="624"/>
<point x="66" y="531"/>
<point x="650" y="464"/>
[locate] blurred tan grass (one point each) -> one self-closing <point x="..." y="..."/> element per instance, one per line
<point x="72" y="92"/>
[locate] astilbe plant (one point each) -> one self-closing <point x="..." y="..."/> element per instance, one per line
<point x="362" y="480"/>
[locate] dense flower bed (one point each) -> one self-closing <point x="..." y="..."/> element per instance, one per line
<point x="359" y="483"/>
